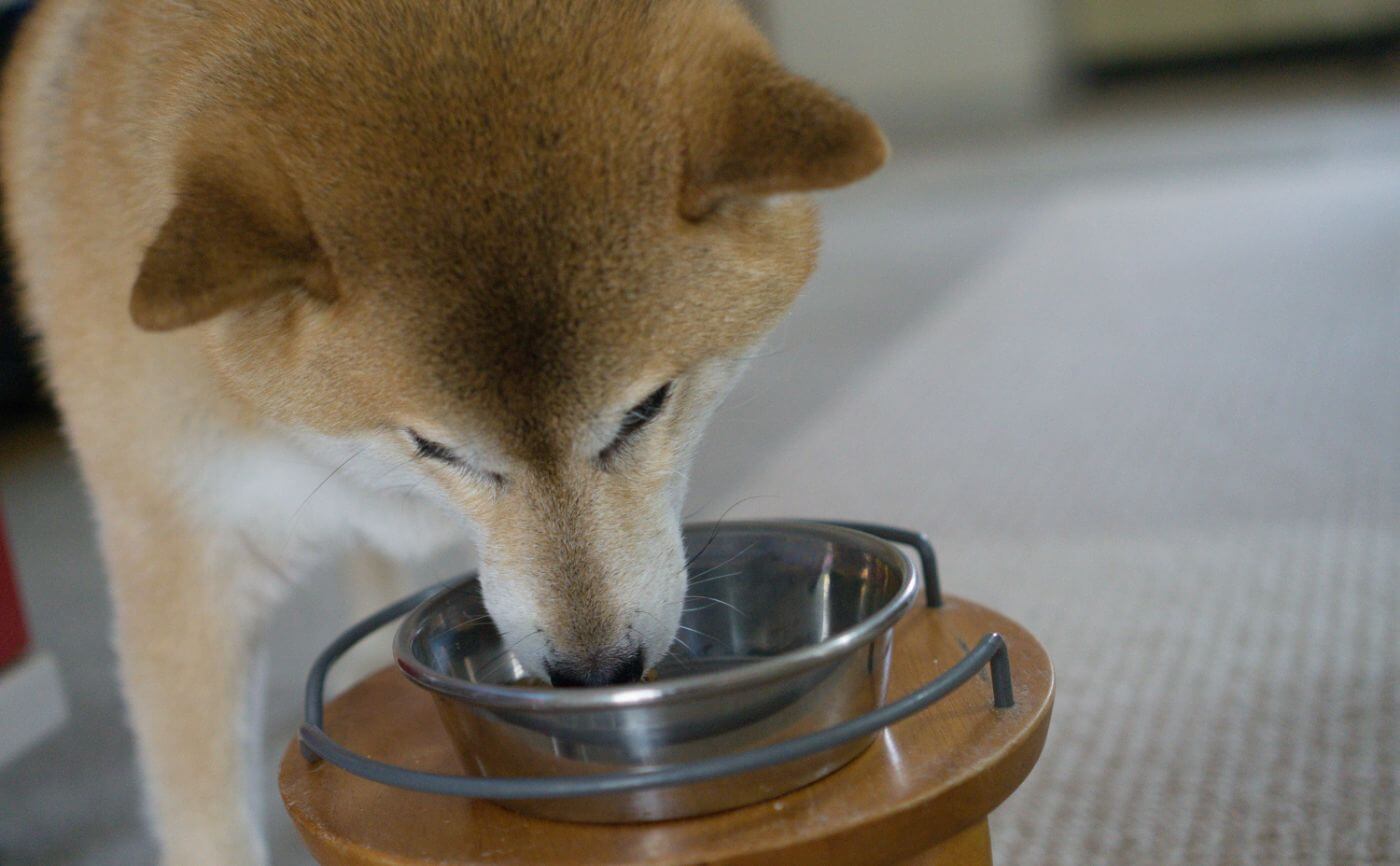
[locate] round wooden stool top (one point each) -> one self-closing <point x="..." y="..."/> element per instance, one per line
<point x="924" y="781"/>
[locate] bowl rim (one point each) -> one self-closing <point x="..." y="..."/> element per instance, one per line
<point x="690" y="686"/>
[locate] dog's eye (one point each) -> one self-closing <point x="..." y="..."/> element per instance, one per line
<point x="430" y="450"/>
<point x="636" y="418"/>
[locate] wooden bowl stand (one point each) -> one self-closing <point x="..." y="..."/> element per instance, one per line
<point x="919" y="796"/>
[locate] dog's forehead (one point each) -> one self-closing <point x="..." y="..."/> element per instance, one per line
<point x="501" y="185"/>
<point x="551" y="356"/>
<point x="528" y="173"/>
<point x="555" y="298"/>
<point x="489" y="109"/>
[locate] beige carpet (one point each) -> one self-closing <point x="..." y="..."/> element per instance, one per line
<point x="1162" y="428"/>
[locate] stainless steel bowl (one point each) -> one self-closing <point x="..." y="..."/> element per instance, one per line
<point x="792" y="636"/>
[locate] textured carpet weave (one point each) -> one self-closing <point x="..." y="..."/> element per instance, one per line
<point x="1162" y="428"/>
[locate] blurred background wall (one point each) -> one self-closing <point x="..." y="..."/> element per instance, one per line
<point x="922" y="66"/>
<point x="917" y="64"/>
<point x="1117" y="31"/>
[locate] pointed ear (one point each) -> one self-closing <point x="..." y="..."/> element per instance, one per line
<point x="218" y="250"/>
<point x="776" y="132"/>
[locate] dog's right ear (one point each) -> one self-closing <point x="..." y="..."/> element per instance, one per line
<point x="218" y="250"/>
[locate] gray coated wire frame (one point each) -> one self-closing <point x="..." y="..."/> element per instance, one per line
<point x="316" y="744"/>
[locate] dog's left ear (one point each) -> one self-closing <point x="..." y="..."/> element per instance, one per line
<point x="775" y="132"/>
<point x="220" y="249"/>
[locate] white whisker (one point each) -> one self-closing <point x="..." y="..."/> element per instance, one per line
<point x="715" y="601"/>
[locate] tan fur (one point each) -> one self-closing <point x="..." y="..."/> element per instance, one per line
<point x="288" y="227"/>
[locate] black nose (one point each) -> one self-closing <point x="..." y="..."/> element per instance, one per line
<point x="605" y="673"/>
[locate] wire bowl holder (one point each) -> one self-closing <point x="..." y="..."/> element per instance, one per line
<point x="316" y="744"/>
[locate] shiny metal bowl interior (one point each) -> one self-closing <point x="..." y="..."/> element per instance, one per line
<point x="787" y="631"/>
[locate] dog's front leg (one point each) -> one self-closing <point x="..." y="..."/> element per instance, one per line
<point x="188" y="614"/>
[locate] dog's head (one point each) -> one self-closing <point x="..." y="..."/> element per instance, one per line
<point x="526" y="246"/>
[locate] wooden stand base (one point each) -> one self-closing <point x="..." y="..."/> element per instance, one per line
<point x="971" y="847"/>
<point x="919" y="797"/>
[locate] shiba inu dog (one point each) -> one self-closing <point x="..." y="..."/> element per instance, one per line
<point x="353" y="277"/>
